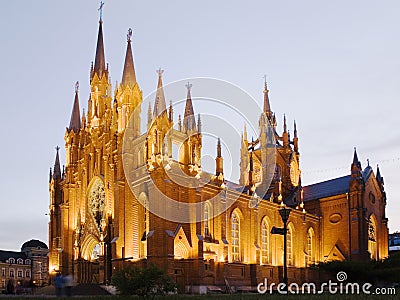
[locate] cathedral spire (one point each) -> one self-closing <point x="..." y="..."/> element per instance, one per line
<point x="75" y="122"/>
<point x="267" y="107"/>
<point x="57" y="167"/>
<point x="189" y="122"/>
<point x="100" y="62"/>
<point x="355" y="156"/>
<point x="159" y="104"/>
<point x="128" y="75"/>
<point x="356" y="166"/>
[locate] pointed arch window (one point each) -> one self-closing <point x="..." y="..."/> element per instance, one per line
<point x="289" y="241"/>
<point x="235" y="232"/>
<point x="372" y="241"/>
<point x="265" y="258"/>
<point x="207" y="216"/>
<point x="310" y="247"/>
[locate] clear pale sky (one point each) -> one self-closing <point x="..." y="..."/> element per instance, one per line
<point x="334" y="66"/>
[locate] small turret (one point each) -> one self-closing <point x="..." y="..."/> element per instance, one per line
<point x="356" y="179"/>
<point x="379" y="177"/>
<point x="189" y="123"/>
<point x="159" y="104"/>
<point x="128" y="75"/>
<point x="171" y="112"/>
<point x="219" y="161"/>
<point x="285" y="135"/>
<point x="179" y="123"/>
<point x="295" y="139"/>
<point x="75" y="122"/>
<point x="57" y="167"/>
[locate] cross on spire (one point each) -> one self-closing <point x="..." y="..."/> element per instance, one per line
<point x="129" y="35"/>
<point x="160" y="72"/>
<point x="188" y="85"/>
<point x="76" y="86"/>
<point x="101" y="10"/>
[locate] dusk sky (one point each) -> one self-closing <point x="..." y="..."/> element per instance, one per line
<point x="333" y="66"/>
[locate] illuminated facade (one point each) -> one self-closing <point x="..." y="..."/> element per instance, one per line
<point x="22" y="269"/>
<point x="98" y="224"/>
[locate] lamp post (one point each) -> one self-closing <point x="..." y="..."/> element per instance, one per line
<point x="285" y="212"/>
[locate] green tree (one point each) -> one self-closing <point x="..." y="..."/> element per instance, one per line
<point x="146" y="283"/>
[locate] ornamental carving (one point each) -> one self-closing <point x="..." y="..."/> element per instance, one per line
<point x="96" y="201"/>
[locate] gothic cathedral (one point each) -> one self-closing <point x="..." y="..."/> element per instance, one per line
<point x="121" y="198"/>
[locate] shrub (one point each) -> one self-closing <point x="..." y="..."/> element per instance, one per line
<point x="146" y="283"/>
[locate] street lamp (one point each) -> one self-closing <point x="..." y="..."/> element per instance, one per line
<point x="285" y="212"/>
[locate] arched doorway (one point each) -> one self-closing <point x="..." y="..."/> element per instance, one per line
<point x="88" y="265"/>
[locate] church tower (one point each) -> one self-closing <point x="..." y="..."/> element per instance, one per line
<point x="274" y="159"/>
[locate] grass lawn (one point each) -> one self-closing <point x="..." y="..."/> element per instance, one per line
<point x="235" y="296"/>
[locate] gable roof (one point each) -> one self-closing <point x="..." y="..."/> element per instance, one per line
<point x="332" y="187"/>
<point x="327" y="188"/>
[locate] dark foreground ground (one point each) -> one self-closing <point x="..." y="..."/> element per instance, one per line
<point x="95" y="292"/>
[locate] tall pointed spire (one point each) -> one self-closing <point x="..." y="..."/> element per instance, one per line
<point x="355" y="156"/>
<point x="57" y="167"/>
<point x="100" y="62"/>
<point x="159" y="104"/>
<point x="267" y="107"/>
<point x="189" y="122"/>
<point x="356" y="166"/>
<point x="128" y="75"/>
<point x="75" y="122"/>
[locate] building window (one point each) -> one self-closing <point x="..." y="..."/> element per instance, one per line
<point x="3" y="272"/>
<point x="28" y="274"/>
<point x="20" y="261"/>
<point x="11" y="273"/>
<point x="372" y="247"/>
<point x="3" y="283"/>
<point x="27" y="261"/>
<point x="310" y="250"/>
<point x="289" y="241"/>
<point x="207" y="214"/>
<point x="264" y="242"/>
<point x="235" y="221"/>
<point x="19" y="273"/>
<point x="11" y="261"/>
